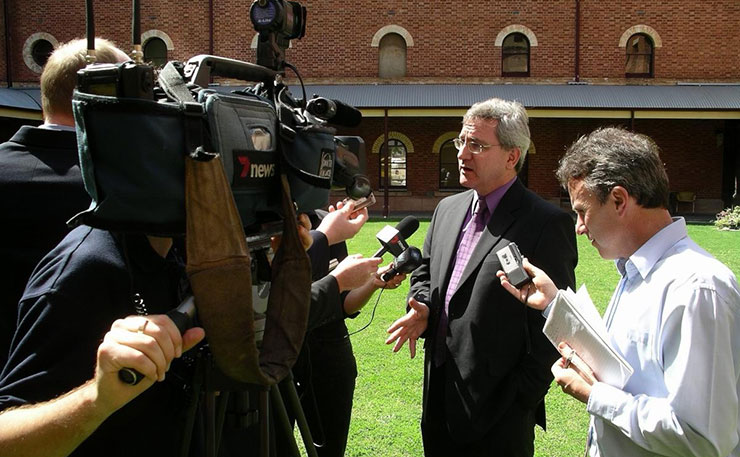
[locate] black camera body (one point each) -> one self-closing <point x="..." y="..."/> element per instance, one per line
<point x="137" y="133"/>
<point x="127" y="79"/>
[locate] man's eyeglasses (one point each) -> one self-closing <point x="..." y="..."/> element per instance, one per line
<point x="473" y="146"/>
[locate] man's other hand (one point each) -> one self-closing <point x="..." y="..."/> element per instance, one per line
<point x="409" y="327"/>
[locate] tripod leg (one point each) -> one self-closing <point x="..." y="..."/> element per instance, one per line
<point x="223" y="401"/>
<point x="264" y="418"/>
<point x="295" y="404"/>
<point x="283" y="422"/>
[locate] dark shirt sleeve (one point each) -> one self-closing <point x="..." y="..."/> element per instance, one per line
<point x="53" y="351"/>
<point x="326" y="302"/>
<point x="319" y="254"/>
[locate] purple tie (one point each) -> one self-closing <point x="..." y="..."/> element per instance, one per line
<point x="471" y="235"/>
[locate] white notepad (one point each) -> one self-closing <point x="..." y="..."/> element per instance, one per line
<point x="575" y="320"/>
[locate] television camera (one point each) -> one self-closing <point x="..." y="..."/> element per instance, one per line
<point x="138" y="127"/>
<point x="259" y="131"/>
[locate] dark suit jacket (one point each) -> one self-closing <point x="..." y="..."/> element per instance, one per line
<point x="40" y="189"/>
<point x="494" y="366"/>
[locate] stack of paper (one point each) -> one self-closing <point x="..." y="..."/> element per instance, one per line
<point x="574" y="319"/>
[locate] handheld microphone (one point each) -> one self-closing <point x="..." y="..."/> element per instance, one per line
<point x="393" y="240"/>
<point x="334" y="111"/>
<point x="408" y="261"/>
<point x="183" y="317"/>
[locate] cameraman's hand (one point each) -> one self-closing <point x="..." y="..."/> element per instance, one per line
<point x="538" y="293"/>
<point x="409" y="327"/>
<point x="342" y="223"/>
<point x="147" y="344"/>
<point x="355" y="271"/>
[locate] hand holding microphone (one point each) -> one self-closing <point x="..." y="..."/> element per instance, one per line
<point x="406" y="262"/>
<point x="393" y="240"/>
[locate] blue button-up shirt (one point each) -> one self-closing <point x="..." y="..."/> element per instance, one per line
<point x="675" y="317"/>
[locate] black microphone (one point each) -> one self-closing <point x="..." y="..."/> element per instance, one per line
<point x="393" y="240"/>
<point x="182" y="316"/>
<point x="408" y="261"/>
<point x="334" y="111"/>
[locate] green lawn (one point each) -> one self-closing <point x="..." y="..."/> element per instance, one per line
<point x="387" y="404"/>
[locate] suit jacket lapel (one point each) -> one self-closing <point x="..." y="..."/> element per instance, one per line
<point x="500" y="221"/>
<point x="450" y="228"/>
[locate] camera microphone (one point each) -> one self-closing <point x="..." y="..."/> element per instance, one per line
<point x="406" y="262"/>
<point x="334" y="112"/>
<point x="393" y="240"/>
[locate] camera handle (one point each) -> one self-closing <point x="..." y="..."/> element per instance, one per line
<point x="201" y="68"/>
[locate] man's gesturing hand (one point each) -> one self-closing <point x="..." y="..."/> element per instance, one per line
<point x="409" y="327"/>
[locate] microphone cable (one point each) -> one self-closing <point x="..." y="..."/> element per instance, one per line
<point x="372" y="314"/>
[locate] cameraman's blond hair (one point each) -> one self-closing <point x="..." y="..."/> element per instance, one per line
<point x="59" y="78"/>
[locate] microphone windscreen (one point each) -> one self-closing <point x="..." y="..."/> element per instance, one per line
<point x="407" y="226"/>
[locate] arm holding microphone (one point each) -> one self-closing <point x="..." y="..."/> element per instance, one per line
<point x="571" y="373"/>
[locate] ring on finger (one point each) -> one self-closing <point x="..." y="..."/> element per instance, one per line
<point x="142" y="327"/>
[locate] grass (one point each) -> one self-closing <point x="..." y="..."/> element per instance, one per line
<point x="387" y="403"/>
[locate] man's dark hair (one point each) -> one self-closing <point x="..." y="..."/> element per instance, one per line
<point x="612" y="156"/>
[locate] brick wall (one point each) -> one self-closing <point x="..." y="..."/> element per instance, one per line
<point x="699" y="40"/>
<point x="453" y="42"/>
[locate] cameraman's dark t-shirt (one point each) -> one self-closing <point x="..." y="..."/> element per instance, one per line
<point x="72" y="299"/>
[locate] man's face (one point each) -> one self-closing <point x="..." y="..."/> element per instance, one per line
<point x="599" y="222"/>
<point x="490" y="168"/>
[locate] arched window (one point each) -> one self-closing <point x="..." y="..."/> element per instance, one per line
<point x="155" y="52"/>
<point x="639" y="50"/>
<point x="449" y="173"/>
<point x="397" y="164"/>
<point x="392" y="56"/>
<point x="515" y="55"/>
<point x="40" y="51"/>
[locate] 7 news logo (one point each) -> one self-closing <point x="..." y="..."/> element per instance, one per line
<point x="254" y="170"/>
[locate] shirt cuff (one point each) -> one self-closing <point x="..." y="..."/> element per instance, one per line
<point x="546" y="311"/>
<point x="606" y="401"/>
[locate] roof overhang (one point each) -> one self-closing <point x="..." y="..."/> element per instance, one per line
<point x="680" y="101"/>
<point x="21" y="103"/>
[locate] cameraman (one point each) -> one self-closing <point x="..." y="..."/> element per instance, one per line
<point x="326" y="369"/>
<point x="40" y="179"/>
<point x="59" y="392"/>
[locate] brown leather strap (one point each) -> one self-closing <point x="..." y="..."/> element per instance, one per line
<point x="219" y="268"/>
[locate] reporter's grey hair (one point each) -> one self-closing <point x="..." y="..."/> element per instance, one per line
<point x="513" y="123"/>
<point x="612" y="156"/>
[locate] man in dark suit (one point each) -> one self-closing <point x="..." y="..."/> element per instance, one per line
<point x="487" y="363"/>
<point x="40" y="181"/>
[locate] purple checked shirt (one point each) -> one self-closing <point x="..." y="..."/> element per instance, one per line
<point x="473" y="225"/>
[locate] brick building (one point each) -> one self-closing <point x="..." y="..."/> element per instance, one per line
<point x="667" y="69"/>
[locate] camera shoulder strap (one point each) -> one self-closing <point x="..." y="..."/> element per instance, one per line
<point x="172" y="82"/>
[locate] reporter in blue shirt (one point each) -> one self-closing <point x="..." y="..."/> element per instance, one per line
<point x="674" y="316"/>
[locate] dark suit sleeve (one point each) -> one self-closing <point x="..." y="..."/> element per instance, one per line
<point x="420" y="281"/>
<point x="326" y="302"/>
<point x="555" y="253"/>
<point x="319" y="255"/>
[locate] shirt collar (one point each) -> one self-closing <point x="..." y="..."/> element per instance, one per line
<point x="494" y="197"/>
<point x="56" y="127"/>
<point x="644" y="259"/>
